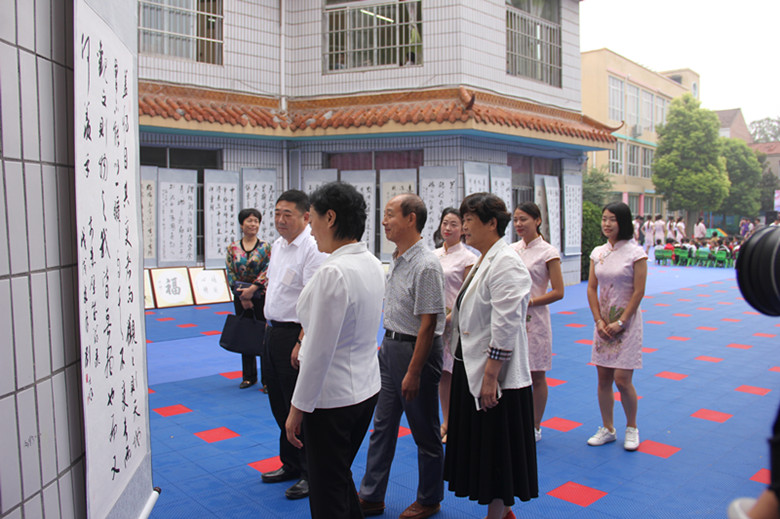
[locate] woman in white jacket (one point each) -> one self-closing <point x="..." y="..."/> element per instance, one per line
<point x="491" y="451"/>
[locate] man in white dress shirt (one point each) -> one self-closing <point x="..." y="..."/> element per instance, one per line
<point x="294" y="259"/>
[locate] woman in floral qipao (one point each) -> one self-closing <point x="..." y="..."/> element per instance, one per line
<point x="620" y="268"/>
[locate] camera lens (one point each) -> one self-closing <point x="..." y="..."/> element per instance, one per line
<point x="758" y="270"/>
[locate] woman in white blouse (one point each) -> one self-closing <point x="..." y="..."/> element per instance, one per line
<point x="338" y="383"/>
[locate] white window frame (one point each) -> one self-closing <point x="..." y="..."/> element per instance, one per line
<point x="647" y="110"/>
<point x="616" y="99"/>
<point x="616" y="159"/>
<point x="533" y="45"/>
<point x="177" y="28"/>
<point x="632" y="160"/>
<point x="632" y="105"/>
<point x="647" y="162"/>
<point x="660" y="110"/>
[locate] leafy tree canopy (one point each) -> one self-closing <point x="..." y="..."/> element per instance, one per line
<point x="688" y="170"/>
<point x="596" y="186"/>
<point x="766" y="129"/>
<point x="744" y="172"/>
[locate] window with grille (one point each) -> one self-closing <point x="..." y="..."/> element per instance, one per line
<point x="647" y="110"/>
<point x="616" y="159"/>
<point x="633" y="204"/>
<point x="187" y="29"/>
<point x="363" y="34"/>
<point x="616" y="98"/>
<point x="660" y="110"/>
<point x="533" y="40"/>
<point x="648" y="206"/>
<point x="633" y="160"/>
<point x="647" y="163"/>
<point x="632" y="105"/>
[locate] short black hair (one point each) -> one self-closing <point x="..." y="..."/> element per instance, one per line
<point x="348" y="204"/>
<point x="411" y="203"/>
<point x="246" y="213"/>
<point x="296" y="196"/>
<point x="623" y="216"/>
<point x="487" y="206"/>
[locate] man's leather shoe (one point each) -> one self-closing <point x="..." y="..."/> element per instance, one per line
<point x="281" y="474"/>
<point x="371" y="507"/>
<point x="298" y="490"/>
<point x="245" y="384"/>
<point x="418" y="511"/>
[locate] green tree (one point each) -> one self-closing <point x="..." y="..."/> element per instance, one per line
<point x="596" y="185"/>
<point x="744" y="173"/>
<point x="766" y="129"/>
<point x="591" y="234"/>
<point x="688" y="170"/>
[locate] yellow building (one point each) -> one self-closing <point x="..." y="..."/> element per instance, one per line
<point x="619" y="92"/>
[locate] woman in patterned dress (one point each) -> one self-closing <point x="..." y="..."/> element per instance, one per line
<point x="616" y="286"/>
<point x="544" y="264"/>
<point x="246" y="262"/>
<point x="456" y="261"/>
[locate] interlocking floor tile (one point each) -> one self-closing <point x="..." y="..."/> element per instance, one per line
<point x="164" y="319"/>
<point x="577" y="494"/>
<point x="267" y="465"/>
<point x="763" y="476"/>
<point x="576" y="325"/>
<point x="585" y="341"/>
<point x="172" y="410"/>
<point x="753" y="390"/>
<point x="671" y="375"/>
<point x="707" y="358"/>
<point x="713" y="416"/>
<point x="765" y="335"/>
<point x="212" y="332"/>
<point x="677" y="338"/>
<point x="216" y="435"/>
<point x="739" y="346"/>
<point x="552" y="382"/>
<point x="187" y="325"/>
<point x="706" y="328"/>
<point x="649" y="350"/>
<point x="657" y="449"/>
<point x="560" y="424"/>
<point x="232" y="374"/>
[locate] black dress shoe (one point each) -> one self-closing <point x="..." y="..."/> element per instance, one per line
<point x="281" y="474"/>
<point x="246" y="383"/>
<point x="298" y="490"/>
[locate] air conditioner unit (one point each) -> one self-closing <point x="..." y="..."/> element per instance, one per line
<point x="636" y="130"/>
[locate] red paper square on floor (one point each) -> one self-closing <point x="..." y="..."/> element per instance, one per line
<point x="762" y="476"/>
<point x="753" y="313"/>
<point x="668" y="293"/>
<point x="686" y="288"/>
<point x="706" y="328"/>
<point x="151" y="391"/>
<point x="403" y="431"/>
<point x="566" y="312"/>
<point x="223" y="312"/>
<point x="704" y="308"/>
<point x="648" y="297"/>
<point x="713" y="416"/>
<point x="707" y="358"/>
<point x="657" y="449"/>
<point x="202" y="307"/>
<point x="649" y="350"/>
<point x="148" y="341"/>
<point x="575" y="325"/>
<point x="212" y="332"/>
<point x="188" y="325"/>
<point x="216" y="435"/>
<point x="685" y="300"/>
<point x="552" y="382"/>
<point x="671" y="375"/>
<point x="725" y="303"/>
<point x="682" y="315"/>
<point x="232" y="374"/>
<point x="655" y="322"/>
<point x="753" y="390"/>
<point x="164" y="319"/>
<point x="662" y="304"/>
<point x="720" y="291"/>
<point x="767" y="335"/>
<point x="577" y="494"/>
<point x="149" y="312"/>
<point x="776" y="369"/>
<point x="585" y="341"/>
<point x="618" y="398"/>
<point x="702" y="295"/>
<point x="729" y="320"/>
<point x="676" y="338"/>
<point x="560" y="424"/>
<point x="172" y="410"/>
<point x="267" y="465"/>
<point x="739" y="346"/>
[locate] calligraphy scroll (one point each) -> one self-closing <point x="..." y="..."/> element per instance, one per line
<point x="553" y="195"/>
<point x="258" y="191"/>
<point x="176" y="216"/>
<point x="149" y="214"/>
<point x="314" y="178"/>
<point x="393" y="182"/>
<point x="572" y="213"/>
<point x="365" y="182"/>
<point x="110" y="266"/>
<point x="501" y="186"/>
<point x="476" y="177"/>
<point x="220" y="214"/>
<point x="209" y="286"/>
<point x="438" y="189"/>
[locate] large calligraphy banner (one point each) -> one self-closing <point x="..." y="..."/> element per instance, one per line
<point x="572" y="214"/>
<point x="111" y="319"/>
<point x="149" y="214"/>
<point x="314" y="178"/>
<point x="501" y="186"/>
<point x="476" y="177"/>
<point x="220" y="214"/>
<point x="176" y="216"/>
<point x="258" y="191"/>
<point x="393" y="182"/>
<point x="365" y="183"/>
<point x="553" y="195"/>
<point x="438" y="189"/>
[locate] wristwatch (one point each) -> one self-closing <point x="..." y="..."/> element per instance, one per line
<point x="620" y="323"/>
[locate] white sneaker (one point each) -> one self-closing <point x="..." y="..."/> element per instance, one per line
<point x="537" y="434"/>
<point x="602" y="436"/>
<point x="632" y="439"/>
<point x="739" y="508"/>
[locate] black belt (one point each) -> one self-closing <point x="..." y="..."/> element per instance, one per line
<point x="400" y="336"/>
<point x="285" y="324"/>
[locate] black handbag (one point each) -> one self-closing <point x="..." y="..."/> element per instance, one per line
<point x="243" y="334"/>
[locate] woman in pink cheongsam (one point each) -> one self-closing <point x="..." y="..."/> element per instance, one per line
<point x="456" y="261"/>
<point x="616" y="286"/>
<point x="544" y="264"/>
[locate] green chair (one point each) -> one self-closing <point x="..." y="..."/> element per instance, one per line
<point x="703" y="258"/>
<point x="667" y="256"/>
<point x="659" y="256"/>
<point x="681" y="255"/>
<point x="721" y="258"/>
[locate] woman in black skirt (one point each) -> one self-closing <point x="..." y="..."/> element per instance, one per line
<point x="491" y="452"/>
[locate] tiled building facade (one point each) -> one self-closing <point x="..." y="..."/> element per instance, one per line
<point x="370" y="86"/>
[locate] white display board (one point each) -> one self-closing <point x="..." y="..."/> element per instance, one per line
<point x="258" y="191"/>
<point x="149" y="214"/>
<point x="393" y="182"/>
<point x="220" y="214"/>
<point x="314" y="178"/>
<point x="572" y="213"/>
<point x="438" y="189"/>
<point x="110" y="269"/>
<point x="365" y="183"/>
<point x="476" y="177"/>
<point x="553" y="196"/>
<point x="176" y="216"/>
<point x="501" y="186"/>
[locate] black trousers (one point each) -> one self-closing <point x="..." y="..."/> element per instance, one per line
<point x="280" y="377"/>
<point x="249" y="362"/>
<point x="333" y="438"/>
